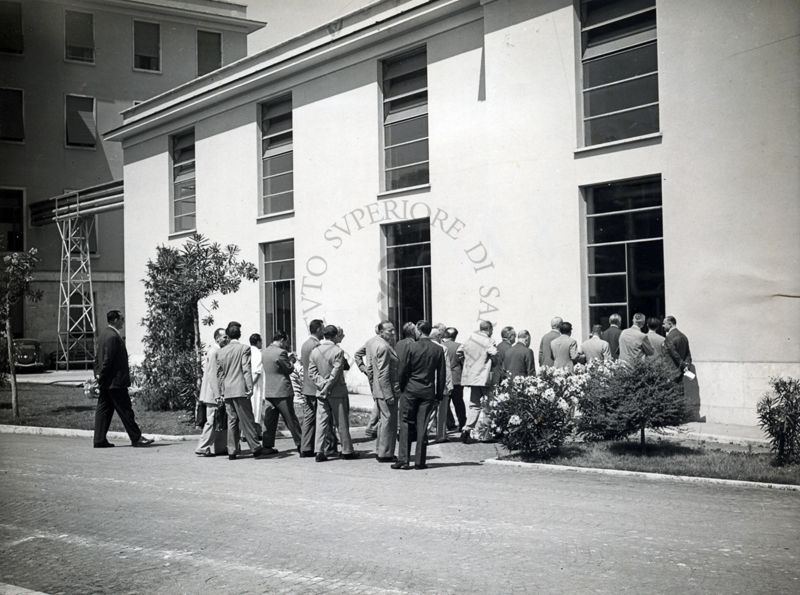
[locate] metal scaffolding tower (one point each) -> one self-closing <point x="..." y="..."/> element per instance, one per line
<point x="73" y="213"/>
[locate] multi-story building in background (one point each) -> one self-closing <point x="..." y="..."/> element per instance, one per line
<point x="67" y="70"/>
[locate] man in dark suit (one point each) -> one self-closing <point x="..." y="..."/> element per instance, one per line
<point x="235" y="376"/>
<point x="113" y="380"/>
<point x="508" y="336"/>
<point x="422" y="378"/>
<point x="611" y="335"/>
<point x="518" y="361"/>
<point x="545" y="355"/>
<point x="278" y="392"/>
<point x="457" y="394"/>
<point x="309" y="423"/>
<point x="676" y="348"/>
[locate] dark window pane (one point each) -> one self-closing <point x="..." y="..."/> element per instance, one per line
<point x="272" y="144"/>
<point x="598" y="11"/>
<point x="79" y="33"/>
<point x="623" y="227"/>
<point x="405" y="177"/>
<point x="621" y="96"/>
<point x="11" y="120"/>
<point x="184" y="172"/>
<point x="146" y="44"/>
<point x="279" y="164"/>
<point x="621" y="28"/>
<point x="646" y="270"/>
<point x="209" y="52"/>
<point x="275" y="271"/>
<point x="619" y="126"/>
<point x="407" y="107"/>
<point x="185" y="206"/>
<point x="278" y="203"/>
<point x="607" y="259"/>
<point x="405" y="84"/>
<point x="607" y="290"/>
<point x="411" y="295"/>
<point x="184" y="190"/>
<point x="600" y="314"/>
<point x="621" y="196"/>
<point x="183" y="147"/>
<point x="408" y="256"/>
<point x="406" y="154"/>
<point x="622" y="65"/>
<point x="405" y="131"/>
<point x="283" y="250"/>
<point x="11" y="39"/>
<point x="11" y="220"/>
<point x="184" y="223"/>
<point x="81" y="129"/>
<point x="278" y="184"/>
<point x="277" y="124"/>
<point x="404" y="64"/>
<point x="408" y="232"/>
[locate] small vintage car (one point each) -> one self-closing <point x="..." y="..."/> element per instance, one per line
<point x="29" y="355"/>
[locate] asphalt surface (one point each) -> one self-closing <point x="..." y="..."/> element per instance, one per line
<point x="79" y="520"/>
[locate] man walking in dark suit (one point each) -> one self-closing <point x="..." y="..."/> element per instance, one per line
<point x="236" y="386"/>
<point x="278" y="392"/>
<point x="309" y="421"/>
<point x="518" y="361"/>
<point x="422" y="378"/>
<point x="611" y="335"/>
<point x="113" y="380"/>
<point x="545" y="355"/>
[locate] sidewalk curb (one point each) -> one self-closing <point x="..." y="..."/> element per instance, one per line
<point x="40" y="431"/>
<point x="646" y="475"/>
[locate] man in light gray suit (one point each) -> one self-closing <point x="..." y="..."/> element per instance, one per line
<point x="236" y="386"/>
<point x="364" y="364"/>
<point x="385" y="388"/>
<point x="595" y="347"/>
<point x="633" y="342"/>
<point x="656" y="340"/>
<point x="326" y="369"/>
<point x="309" y="390"/>
<point x="564" y="349"/>
<point x="278" y="391"/>
<point x="545" y="354"/>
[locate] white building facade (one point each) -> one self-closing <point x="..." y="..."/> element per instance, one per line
<point x="504" y="160"/>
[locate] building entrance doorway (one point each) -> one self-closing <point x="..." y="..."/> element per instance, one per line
<point x="408" y="271"/>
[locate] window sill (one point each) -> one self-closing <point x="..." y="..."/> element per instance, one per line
<point x="181" y="234"/>
<point x="403" y="191"/>
<point x="79" y="148"/>
<point x="634" y="140"/>
<point x="146" y="71"/>
<point x="274" y="216"/>
<point x="82" y="62"/>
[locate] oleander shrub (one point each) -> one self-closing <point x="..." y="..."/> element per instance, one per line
<point x="534" y="414"/>
<point x="167" y="380"/>
<point x="621" y="399"/>
<point x="779" y="416"/>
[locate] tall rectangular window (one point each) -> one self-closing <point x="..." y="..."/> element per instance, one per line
<point x="81" y="126"/>
<point x="408" y="271"/>
<point x="209" y="52"/>
<point x="79" y="36"/>
<point x="12" y="122"/>
<point x="183" y="183"/>
<point x="11" y="40"/>
<point x="625" y="249"/>
<point x="279" y="289"/>
<point x="405" y="120"/>
<point x="277" y="156"/>
<point x="620" y="69"/>
<point x="146" y="46"/>
<point x="11" y="220"/>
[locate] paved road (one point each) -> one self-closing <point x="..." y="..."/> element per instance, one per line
<point x="78" y="520"/>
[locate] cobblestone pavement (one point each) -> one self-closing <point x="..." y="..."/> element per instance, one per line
<point x="78" y="520"/>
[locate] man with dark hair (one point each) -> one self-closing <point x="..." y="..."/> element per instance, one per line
<point x="278" y="392"/>
<point x="518" y="361"/>
<point x="308" y="423"/>
<point x="656" y="340"/>
<point x="113" y="379"/>
<point x="422" y="379"/>
<point x="611" y="335"/>
<point x="595" y="347"/>
<point x="236" y="386"/>
<point x="633" y="343"/>
<point x="508" y="337"/>
<point x="212" y="442"/>
<point x="676" y="349"/>
<point x="564" y="349"/>
<point x="257" y="399"/>
<point x="326" y="370"/>
<point x="457" y="394"/>
<point x="545" y="355"/>
<point x="477" y="356"/>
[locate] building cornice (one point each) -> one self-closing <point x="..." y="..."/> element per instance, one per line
<point x="362" y="28"/>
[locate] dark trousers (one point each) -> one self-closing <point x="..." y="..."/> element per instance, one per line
<point x="285" y="409"/>
<point x="417" y="412"/>
<point x="308" y="424"/>
<point x="109" y="401"/>
<point x="457" y="397"/>
<point x="240" y="416"/>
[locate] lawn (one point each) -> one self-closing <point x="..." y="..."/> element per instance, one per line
<point x="677" y="457"/>
<point x="57" y="406"/>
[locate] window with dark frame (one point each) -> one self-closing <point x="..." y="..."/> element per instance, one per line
<point x="620" y="69"/>
<point x="405" y="120"/>
<point x="146" y="46"/>
<point x="209" y="52"/>
<point x="408" y="271"/>
<point x="277" y="156"/>
<point x="12" y="122"/>
<point x="79" y="36"/>
<point x="279" y="289"/>
<point x="11" y="220"/>
<point x="80" y="124"/>
<point x="11" y="37"/>
<point x="625" y="246"/>
<point x="184" y="205"/>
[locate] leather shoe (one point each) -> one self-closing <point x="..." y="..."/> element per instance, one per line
<point x="401" y="465"/>
<point x="206" y="452"/>
<point x="320" y="457"/>
<point x="304" y="454"/>
<point x="466" y="438"/>
<point x="387" y="459"/>
<point x="142" y="442"/>
<point x="260" y="453"/>
<point x="350" y="456"/>
<point x="105" y="444"/>
<point x="231" y="457"/>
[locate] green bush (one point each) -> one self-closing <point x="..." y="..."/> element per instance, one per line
<point x="534" y="414"/>
<point x="779" y="416"/>
<point x="621" y="399"/>
<point x="167" y="381"/>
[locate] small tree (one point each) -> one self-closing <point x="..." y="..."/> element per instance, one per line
<point x="177" y="282"/>
<point x="628" y="399"/>
<point x="15" y="286"/>
<point x="779" y="416"/>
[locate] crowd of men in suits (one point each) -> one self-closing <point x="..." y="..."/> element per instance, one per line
<point x="246" y="389"/>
